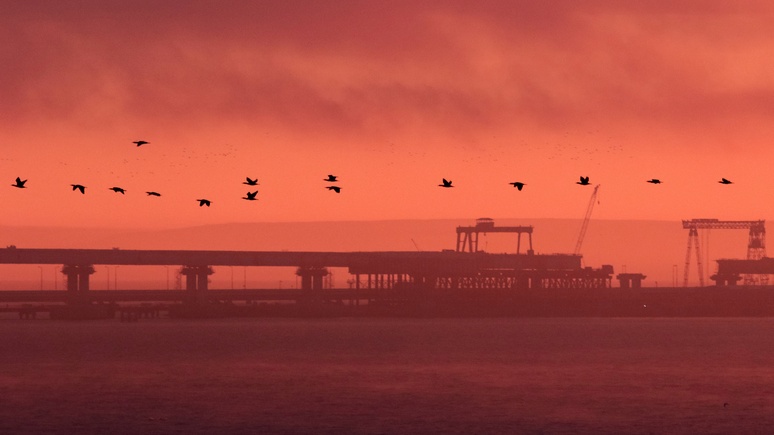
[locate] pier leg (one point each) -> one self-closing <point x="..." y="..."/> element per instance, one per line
<point x="78" y="282"/>
<point x="196" y="282"/>
<point x="312" y="277"/>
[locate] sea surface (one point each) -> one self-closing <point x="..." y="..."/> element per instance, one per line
<point x="388" y="376"/>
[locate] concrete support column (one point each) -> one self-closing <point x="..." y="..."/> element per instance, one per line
<point x="78" y="282"/>
<point x="196" y="282"/>
<point x="311" y="277"/>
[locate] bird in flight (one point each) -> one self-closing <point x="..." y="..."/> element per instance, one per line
<point x="80" y="187"/>
<point x="336" y="189"/>
<point x="331" y="179"/>
<point x="584" y="181"/>
<point x="446" y="183"/>
<point x="517" y="184"/>
<point x="203" y="202"/>
<point x="19" y="183"/>
<point x="118" y="190"/>
<point x="140" y="142"/>
<point x="153" y="193"/>
<point x="654" y="181"/>
<point x="250" y="182"/>
<point x="724" y="181"/>
<point x="250" y="195"/>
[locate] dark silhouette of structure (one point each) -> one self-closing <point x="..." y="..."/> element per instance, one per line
<point x="731" y="271"/>
<point x="203" y="202"/>
<point x="467" y="237"/>
<point x="118" y="190"/>
<point x="394" y="278"/>
<point x="250" y="196"/>
<point x="630" y="280"/>
<point x="517" y="184"/>
<point x="756" y="244"/>
<point x="586" y="219"/>
<point x="446" y="183"/>
<point x="80" y="187"/>
<point x="19" y="183"/>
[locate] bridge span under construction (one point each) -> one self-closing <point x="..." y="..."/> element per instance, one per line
<point x="375" y="277"/>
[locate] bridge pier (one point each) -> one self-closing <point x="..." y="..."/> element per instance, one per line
<point x="196" y="282"/>
<point x="78" y="282"/>
<point x="312" y="277"/>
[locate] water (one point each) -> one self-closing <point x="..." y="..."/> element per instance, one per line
<point x="388" y="376"/>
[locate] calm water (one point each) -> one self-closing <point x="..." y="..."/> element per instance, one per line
<point x="388" y="376"/>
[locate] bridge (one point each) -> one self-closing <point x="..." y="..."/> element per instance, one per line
<point x="374" y="274"/>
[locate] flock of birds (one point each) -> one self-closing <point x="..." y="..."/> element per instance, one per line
<point x="584" y="181"/>
<point x="251" y="196"/>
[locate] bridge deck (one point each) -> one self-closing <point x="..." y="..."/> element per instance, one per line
<point x="357" y="262"/>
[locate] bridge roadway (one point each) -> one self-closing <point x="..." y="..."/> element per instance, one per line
<point x="357" y="262"/>
<point x="391" y="271"/>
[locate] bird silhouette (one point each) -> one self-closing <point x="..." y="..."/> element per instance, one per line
<point x="80" y="187"/>
<point x="203" y="202"/>
<point x="446" y="183"/>
<point x="153" y="193"/>
<point x="724" y="181"/>
<point x="331" y="179"/>
<point x="140" y="142"/>
<point x="118" y="190"/>
<point x="584" y="181"/>
<point x="19" y="183"/>
<point x="250" y="196"/>
<point x="517" y="184"/>
<point x="250" y="182"/>
<point x="654" y="181"/>
<point x="336" y="189"/>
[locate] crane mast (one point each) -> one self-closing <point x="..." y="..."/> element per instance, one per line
<point x="585" y="223"/>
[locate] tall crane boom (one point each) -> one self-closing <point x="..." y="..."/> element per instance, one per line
<point x="585" y="224"/>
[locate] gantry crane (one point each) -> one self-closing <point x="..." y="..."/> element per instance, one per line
<point x="467" y="237"/>
<point x="756" y="244"/>
<point x="585" y="223"/>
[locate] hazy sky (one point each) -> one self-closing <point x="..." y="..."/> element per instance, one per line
<point x="391" y="96"/>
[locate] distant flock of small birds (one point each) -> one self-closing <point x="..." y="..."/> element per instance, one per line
<point x="251" y="196"/>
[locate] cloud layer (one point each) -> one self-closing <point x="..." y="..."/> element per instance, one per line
<point x="491" y="90"/>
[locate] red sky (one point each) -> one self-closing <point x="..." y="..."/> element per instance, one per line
<point x="391" y="96"/>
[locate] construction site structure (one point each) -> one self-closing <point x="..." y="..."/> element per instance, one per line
<point x="756" y="245"/>
<point x="467" y="237"/>
<point x="586" y="219"/>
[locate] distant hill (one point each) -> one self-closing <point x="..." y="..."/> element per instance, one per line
<point x="650" y="247"/>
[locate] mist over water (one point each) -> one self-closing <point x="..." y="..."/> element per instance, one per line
<point x="388" y="376"/>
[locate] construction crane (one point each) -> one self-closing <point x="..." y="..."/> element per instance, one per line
<point x="585" y="224"/>
<point x="756" y="244"/>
